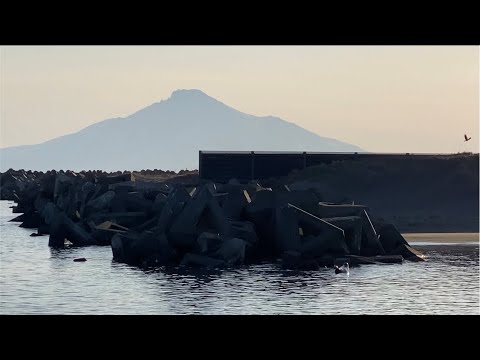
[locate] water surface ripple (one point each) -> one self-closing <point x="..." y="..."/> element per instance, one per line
<point x="35" y="279"/>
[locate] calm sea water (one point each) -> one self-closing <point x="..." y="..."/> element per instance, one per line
<point x="35" y="279"/>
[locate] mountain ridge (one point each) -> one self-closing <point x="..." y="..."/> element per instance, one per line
<point x="167" y="134"/>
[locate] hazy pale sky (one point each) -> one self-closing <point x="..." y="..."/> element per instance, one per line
<point x="381" y="98"/>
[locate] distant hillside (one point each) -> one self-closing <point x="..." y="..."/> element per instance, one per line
<point x="432" y="194"/>
<point x="167" y="135"/>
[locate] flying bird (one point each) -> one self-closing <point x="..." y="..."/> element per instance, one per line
<point x="467" y="138"/>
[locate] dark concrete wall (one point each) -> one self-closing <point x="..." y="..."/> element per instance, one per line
<point x="222" y="166"/>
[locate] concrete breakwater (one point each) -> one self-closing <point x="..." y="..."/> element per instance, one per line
<point x="416" y="192"/>
<point x="189" y="222"/>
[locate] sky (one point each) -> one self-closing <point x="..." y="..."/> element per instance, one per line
<point x="381" y="98"/>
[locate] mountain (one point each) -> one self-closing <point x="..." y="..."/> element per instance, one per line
<point x="167" y="135"/>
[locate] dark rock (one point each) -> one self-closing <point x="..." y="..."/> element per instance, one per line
<point x="166" y="217"/>
<point x="409" y="253"/>
<point x="313" y="237"/>
<point x="200" y="214"/>
<point x="47" y="185"/>
<point x="58" y="233"/>
<point x="260" y="212"/>
<point x="115" y="179"/>
<point x="127" y="219"/>
<point x="104" y="236"/>
<point x="235" y="203"/>
<point x="134" y="248"/>
<point x="287" y="234"/>
<point x="211" y="187"/>
<point x="313" y="225"/>
<point x="101" y="202"/>
<point x="158" y="203"/>
<point x="178" y="195"/>
<point x="293" y="260"/>
<point x="231" y="251"/>
<point x="261" y="207"/>
<point x="134" y="202"/>
<point x="19" y="218"/>
<point x="43" y="229"/>
<point x="76" y="234"/>
<point x="61" y="228"/>
<point x="40" y="202"/>
<point x="147" y="225"/>
<point x="122" y="188"/>
<point x="117" y="204"/>
<point x="36" y="234"/>
<point x="324" y="210"/>
<point x="208" y="243"/>
<point x="234" y="182"/>
<point x="19" y="209"/>
<point x="352" y="226"/>
<point x="152" y="223"/>
<point x="243" y="230"/>
<point x="389" y="259"/>
<point x="88" y="191"/>
<point x="32" y="220"/>
<point x="371" y="245"/>
<point x="328" y="242"/>
<point x="390" y="238"/>
<point x="62" y="183"/>
<point x="303" y="199"/>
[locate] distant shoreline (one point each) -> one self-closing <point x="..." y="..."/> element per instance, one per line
<point x="442" y="237"/>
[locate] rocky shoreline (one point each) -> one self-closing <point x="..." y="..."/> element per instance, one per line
<point x="163" y="218"/>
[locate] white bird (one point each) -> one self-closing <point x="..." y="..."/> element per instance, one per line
<point x="342" y="269"/>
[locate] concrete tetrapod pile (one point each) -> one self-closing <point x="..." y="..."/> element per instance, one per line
<point x="202" y="224"/>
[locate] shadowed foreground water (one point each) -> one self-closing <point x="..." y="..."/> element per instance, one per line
<point x="35" y="279"/>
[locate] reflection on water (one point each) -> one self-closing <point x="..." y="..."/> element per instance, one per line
<point x="35" y="279"/>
